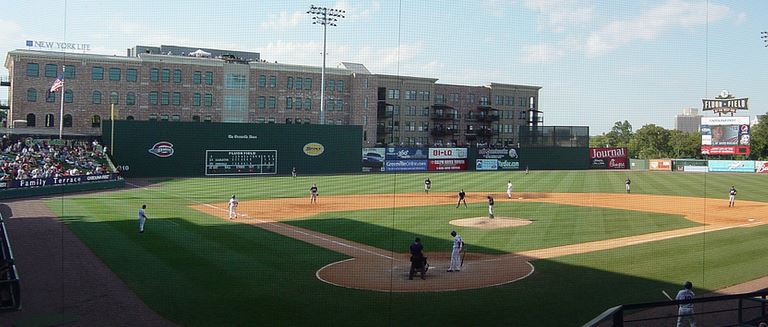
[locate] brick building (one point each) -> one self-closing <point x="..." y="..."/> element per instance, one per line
<point x="168" y="83"/>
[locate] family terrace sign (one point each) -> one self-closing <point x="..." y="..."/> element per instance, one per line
<point x="59" y="45"/>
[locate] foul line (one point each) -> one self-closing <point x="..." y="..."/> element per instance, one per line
<point x="276" y="225"/>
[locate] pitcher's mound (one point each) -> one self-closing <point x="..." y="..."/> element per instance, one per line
<point x="487" y="223"/>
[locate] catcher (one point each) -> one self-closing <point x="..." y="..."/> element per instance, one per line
<point x="418" y="260"/>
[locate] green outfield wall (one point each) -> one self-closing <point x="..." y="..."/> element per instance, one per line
<point x="156" y="148"/>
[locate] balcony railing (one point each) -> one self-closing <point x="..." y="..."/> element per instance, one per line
<point x="442" y="116"/>
<point x="442" y="131"/>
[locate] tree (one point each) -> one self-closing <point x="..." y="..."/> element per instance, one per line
<point x="599" y="141"/>
<point x="684" y="145"/>
<point x="650" y="142"/>
<point x="758" y="143"/>
<point x="620" y="134"/>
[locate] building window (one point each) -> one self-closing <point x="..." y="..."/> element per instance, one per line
<point x="196" y="98"/>
<point x="522" y="114"/>
<point x="289" y="83"/>
<point x="175" y="118"/>
<point x="196" y="118"/>
<point x="97" y="73"/>
<point x="288" y="121"/>
<point x="208" y="100"/>
<point x="177" y="76"/>
<point x="114" y="74"/>
<point x="129" y="118"/>
<point x="307" y="83"/>
<point x="130" y="99"/>
<point x="365" y="103"/>
<point x="298" y="83"/>
<point x="273" y="81"/>
<point x="30" y="120"/>
<point x="439" y="98"/>
<point x="340" y="86"/>
<point x="176" y="100"/>
<point x="154" y="74"/>
<point x="49" y="120"/>
<point x="114" y="97"/>
<point x="235" y="81"/>
<point x="365" y="83"/>
<point x="329" y="104"/>
<point x="288" y="103"/>
<point x="165" y="98"/>
<point x="197" y="78"/>
<point x="521" y="102"/>
<point x="484" y="101"/>
<point x="307" y="104"/>
<point x="261" y="103"/>
<point x="153" y="97"/>
<point x="51" y="70"/>
<point x="69" y="72"/>
<point x="33" y="70"/>
<point x="532" y="103"/>
<point x="297" y="103"/>
<point x="152" y="117"/>
<point x="165" y="75"/>
<point x="454" y="97"/>
<point x="96" y="97"/>
<point x="31" y="95"/>
<point x="330" y="86"/>
<point x="67" y="120"/>
<point x="207" y="118"/>
<point x="69" y="96"/>
<point x="131" y="75"/>
<point x="410" y="95"/>
<point x="393" y="93"/>
<point x="271" y="103"/>
<point x="164" y="117"/>
<point x="96" y="121"/>
<point x="271" y="120"/>
<point x="340" y="105"/>
<point x="424" y="95"/>
<point x="260" y="120"/>
<point x="262" y="81"/>
<point x="50" y="97"/>
<point x="307" y="121"/>
<point x="208" y="78"/>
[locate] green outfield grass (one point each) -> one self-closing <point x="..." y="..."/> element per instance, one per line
<point x="199" y="270"/>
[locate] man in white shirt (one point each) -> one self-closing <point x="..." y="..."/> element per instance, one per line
<point x="458" y="244"/>
<point x="142" y="218"/>
<point x="685" y="311"/>
<point x="233" y="207"/>
<point x="509" y="189"/>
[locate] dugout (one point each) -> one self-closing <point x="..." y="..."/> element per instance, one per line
<point x="188" y="149"/>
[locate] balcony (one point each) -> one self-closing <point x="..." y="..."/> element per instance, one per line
<point x="487" y="117"/>
<point x="486" y="132"/>
<point x="442" y="131"/>
<point x="442" y="116"/>
<point x="4" y="104"/>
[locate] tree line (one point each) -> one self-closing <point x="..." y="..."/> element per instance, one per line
<point x="654" y="142"/>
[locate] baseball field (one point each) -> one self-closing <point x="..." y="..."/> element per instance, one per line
<point x="568" y="245"/>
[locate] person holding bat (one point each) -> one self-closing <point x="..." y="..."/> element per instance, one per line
<point x="458" y="244"/>
<point x="685" y="311"/>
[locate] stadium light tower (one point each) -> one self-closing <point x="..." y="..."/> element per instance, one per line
<point x="764" y="36"/>
<point x="326" y="17"/>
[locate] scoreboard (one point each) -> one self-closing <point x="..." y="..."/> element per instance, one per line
<point x="240" y="162"/>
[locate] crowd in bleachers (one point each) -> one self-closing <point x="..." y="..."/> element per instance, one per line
<point x="28" y="158"/>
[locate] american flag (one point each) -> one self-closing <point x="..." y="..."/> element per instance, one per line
<point x="57" y="84"/>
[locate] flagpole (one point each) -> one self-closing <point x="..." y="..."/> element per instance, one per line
<point x="61" y="108"/>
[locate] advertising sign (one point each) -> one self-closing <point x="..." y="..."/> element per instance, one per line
<point x="733" y="166"/>
<point x="447" y="153"/>
<point x="373" y="159"/>
<point x="714" y="150"/>
<point x="487" y="164"/>
<point x="67" y="180"/>
<point x="405" y="165"/>
<point x="695" y="169"/>
<point x="659" y="164"/>
<point x="761" y="167"/>
<point x="506" y="164"/>
<point x="608" y="158"/>
<point x="406" y="153"/>
<point x="447" y="164"/>
<point x="725" y="135"/>
<point x="486" y="153"/>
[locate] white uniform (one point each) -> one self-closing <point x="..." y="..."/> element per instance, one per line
<point x="142" y="219"/>
<point x="458" y="243"/>
<point x="509" y="190"/>
<point x="232" y="208"/>
<point x="685" y="311"/>
<point x="627" y="184"/>
<point x="732" y="197"/>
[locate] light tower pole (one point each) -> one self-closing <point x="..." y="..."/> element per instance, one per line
<point x="324" y="16"/>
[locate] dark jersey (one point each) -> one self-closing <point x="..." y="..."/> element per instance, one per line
<point x="732" y="191"/>
<point x="628" y="182"/>
<point x="416" y="249"/>
<point x="427" y="182"/>
<point x="490" y="201"/>
<point x="313" y="189"/>
<point x="462" y="195"/>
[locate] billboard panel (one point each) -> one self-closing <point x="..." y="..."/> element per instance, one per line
<point x="447" y="153"/>
<point x="725" y="135"/>
<point x="486" y="153"/>
<point x="373" y="159"/>
<point x="733" y="166"/>
<point x="406" y="153"/>
<point x="405" y="165"/>
<point x="761" y="167"/>
<point x="506" y="164"/>
<point x="659" y="164"/>
<point x="608" y="158"/>
<point x="447" y="164"/>
<point x="487" y="164"/>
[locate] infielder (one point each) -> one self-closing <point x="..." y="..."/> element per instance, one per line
<point x="142" y="218"/>
<point x="732" y="196"/>
<point x="490" y="207"/>
<point x="313" y="194"/>
<point x="293" y="172"/>
<point x="626" y="184"/>
<point x="462" y="195"/>
<point x="233" y="207"/>
<point x="509" y="189"/>
<point x="427" y="185"/>
<point x="458" y="243"/>
<point x="685" y="311"/>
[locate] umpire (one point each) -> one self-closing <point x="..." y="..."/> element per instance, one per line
<point x="418" y="260"/>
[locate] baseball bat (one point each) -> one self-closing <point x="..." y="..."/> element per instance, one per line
<point x="463" y="254"/>
<point x="667" y="295"/>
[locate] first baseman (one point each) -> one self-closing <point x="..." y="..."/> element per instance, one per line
<point x="732" y="196"/>
<point x="490" y="207"/>
<point x="233" y="207"/>
<point x="142" y="218"/>
<point x="313" y="194"/>
<point x="458" y="243"/>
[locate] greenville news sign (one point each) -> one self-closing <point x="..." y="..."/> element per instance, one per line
<point x="59" y="45"/>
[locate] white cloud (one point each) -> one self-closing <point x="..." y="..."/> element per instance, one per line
<point x="285" y="20"/>
<point x="651" y="24"/>
<point x="562" y="15"/>
<point x="301" y="53"/>
<point x="542" y="53"/>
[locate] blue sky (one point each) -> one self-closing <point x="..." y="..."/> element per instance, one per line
<point x="598" y="62"/>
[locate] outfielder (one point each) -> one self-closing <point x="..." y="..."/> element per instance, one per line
<point x="490" y="207"/>
<point x="462" y="195"/>
<point x="233" y="207"/>
<point x="509" y="189"/>
<point x="685" y="311"/>
<point x="732" y="196"/>
<point x="458" y="243"/>
<point x="142" y="218"/>
<point x="313" y="194"/>
<point x="427" y="185"/>
<point x="626" y="184"/>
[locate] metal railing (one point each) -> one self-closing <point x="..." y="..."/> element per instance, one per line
<point x="10" y="293"/>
